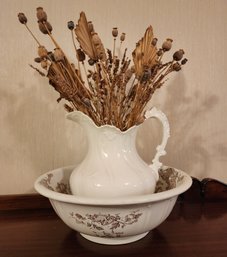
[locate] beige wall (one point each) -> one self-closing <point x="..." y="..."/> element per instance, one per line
<point x="34" y="135"/>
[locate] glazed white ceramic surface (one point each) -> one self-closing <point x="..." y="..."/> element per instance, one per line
<point x="119" y="220"/>
<point x="112" y="166"/>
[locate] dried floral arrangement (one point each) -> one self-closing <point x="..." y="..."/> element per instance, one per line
<point x="109" y="88"/>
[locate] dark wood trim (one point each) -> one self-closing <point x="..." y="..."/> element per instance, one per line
<point x="23" y="202"/>
<point x="206" y="190"/>
<point x="200" y="191"/>
<point x="212" y="188"/>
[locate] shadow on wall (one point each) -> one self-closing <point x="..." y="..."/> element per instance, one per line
<point x="187" y="148"/>
<point x="36" y="136"/>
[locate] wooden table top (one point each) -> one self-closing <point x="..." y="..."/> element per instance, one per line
<point x="192" y="229"/>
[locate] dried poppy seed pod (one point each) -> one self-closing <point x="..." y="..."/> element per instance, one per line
<point x="44" y="64"/>
<point x="122" y="38"/>
<point x="90" y="26"/>
<point x="22" y="18"/>
<point x="70" y="25"/>
<point x="42" y="28"/>
<point x="45" y="27"/>
<point x="166" y="46"/>
<point x="178" y="55"/>
<point x="91" y="62"/>
<point x="58" y="54"/>
<point x="184" y="61"/>
<point x="115" y="32"/>
<point x="38" y="59"/>
<point x="176" y="66"/>
<point x="40" y="14"/>
<point x="160" y="52"/>
<point x="154" y="41"/>
<point x="80" y="55"/>
<point x="146" y="75"/>
<point x="49" y="27"/>
<point x="86" y="101"/>
<point x="42" y="52"/>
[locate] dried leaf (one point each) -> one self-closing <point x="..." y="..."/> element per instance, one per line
<point x="145" y="53"/>
<point x="84" y="37"/>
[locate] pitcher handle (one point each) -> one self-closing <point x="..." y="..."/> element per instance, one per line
<point x="155" y="113"/>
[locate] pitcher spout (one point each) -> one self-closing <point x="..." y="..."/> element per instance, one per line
<point x="79" y="117"/>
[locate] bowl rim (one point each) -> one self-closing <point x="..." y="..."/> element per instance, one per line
<point x="130" y="200"/>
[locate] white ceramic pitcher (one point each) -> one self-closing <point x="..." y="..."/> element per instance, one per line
<point x="112" y="167"/>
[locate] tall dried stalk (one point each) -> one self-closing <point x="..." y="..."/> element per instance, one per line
<point x="114" y="91"/>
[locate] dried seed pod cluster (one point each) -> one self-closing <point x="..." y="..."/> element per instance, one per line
<point x="112" y="89"/>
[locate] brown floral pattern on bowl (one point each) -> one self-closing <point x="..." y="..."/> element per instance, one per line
<point x="168" y="179"/>
<point x="107" y="225"/>
<point x="61" y="187"/>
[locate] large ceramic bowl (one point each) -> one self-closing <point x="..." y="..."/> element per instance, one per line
<point x="113" y="221"/>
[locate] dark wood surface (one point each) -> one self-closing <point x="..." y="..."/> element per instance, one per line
<point x="23" y="202"/>
<point x="197" y="227"/>
<point x="192" y="229"/>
